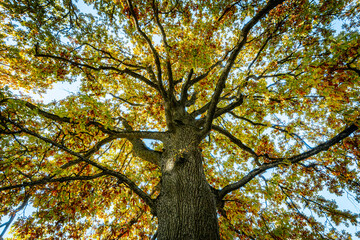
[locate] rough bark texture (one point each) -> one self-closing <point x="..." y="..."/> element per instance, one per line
<point x="186" y="207"/>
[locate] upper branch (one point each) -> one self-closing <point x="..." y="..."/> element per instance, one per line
<point x="356" y="70"/>
<point x="230" y="62"/>
<point x="271" y="35"/>
<point x="285" y="161"/>
<point x="167" y="49"/>
<point x="153" y="50"/>
<point x="110" y="56"/>
<point x="189" y="81"/>
<point x="99" y="68"/>
<point x="219" y="111"/>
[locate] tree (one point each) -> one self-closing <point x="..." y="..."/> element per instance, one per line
<point x="194" y="120"/>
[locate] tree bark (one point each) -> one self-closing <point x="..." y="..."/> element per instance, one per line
<point x="186" y="206"/>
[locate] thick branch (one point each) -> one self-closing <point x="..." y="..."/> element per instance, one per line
<point x="140" y="134"/>
<point x="230" y="62"/>
<point x="144" y="152"/>
<point x="200" y="111"/>
<point x="38" y="110"/>
<point x="140" y="148"/>
<point x="219" y="111"/>
<point x="133" y="136"/>
<point x="84" y="158"/>
<point x="285" y="161"/>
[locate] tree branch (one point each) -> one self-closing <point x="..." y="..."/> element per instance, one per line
<point x="356" y="70"/>
<point x="234" y="140"/>
<point x="219" y="111"/>
<point x="126" y="101"/>
<point x="152" y="48"/>
<point x="130" y="184"/>
<point x="84" y="158"/>
<point x="271" y="35"/>
<point x="13" y="215"/>
<point x="110" y="56"/>
<point x="113" y="132"/>
<point x="167" y="48"/>
<point x="99" y="68"/>
<point x="228" y="108"/>
<point x="184" y="88"/>
<point x="140" y="134"/>
<point x="276" y="127"/>
<point x="105" y="171"/>
<point x="200" y="111"/>
<point x="133" y="136"/>
<point x="285" y="161"/>
<point x="140" y="148"/>
<point x="190" y="82"/>
<point x="230" y="62"/>
<point x="50" y="179"/>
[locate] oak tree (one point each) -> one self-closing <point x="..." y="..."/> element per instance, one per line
<point x="194" y="119"/>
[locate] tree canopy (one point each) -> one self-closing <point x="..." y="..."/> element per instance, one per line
<point x="270" y="90"/>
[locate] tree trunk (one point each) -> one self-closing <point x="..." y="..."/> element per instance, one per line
<point x="186" y="207"/>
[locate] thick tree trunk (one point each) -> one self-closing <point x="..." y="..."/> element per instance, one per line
<point x="186" y="206"/>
